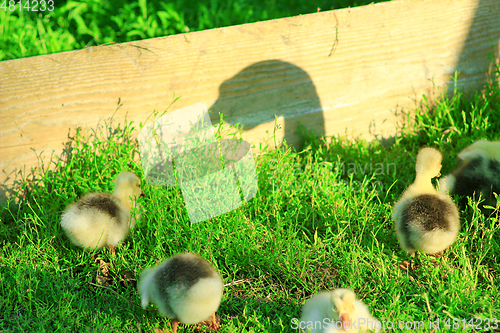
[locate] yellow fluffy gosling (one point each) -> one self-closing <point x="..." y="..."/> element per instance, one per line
<point x="185" y="288"/>
<point x="103" y="219"/>
<point x="477" y="174"/>
<point x="337" y="311"/>
<point x="426" y="220"/>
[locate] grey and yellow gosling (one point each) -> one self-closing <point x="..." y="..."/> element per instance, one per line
<point x="426" y="220"/>
<point x="185" y="288"/>
<point x="476" y="176"/>
<point x="103" y="219"/>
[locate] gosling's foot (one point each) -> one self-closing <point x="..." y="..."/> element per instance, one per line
<point x="215" y="325"/>
<point x="175" y="324"/>
<point x="409" y="264"/>
<point x="437" y="255"/>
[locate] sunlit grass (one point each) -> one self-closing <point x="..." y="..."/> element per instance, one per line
<point x="72" y="25"/>
<point x="320" y="220"/>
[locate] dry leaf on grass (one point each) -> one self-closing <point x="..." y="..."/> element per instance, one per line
<point x="127" y="278"/>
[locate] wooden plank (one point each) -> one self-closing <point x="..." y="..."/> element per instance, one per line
<point x="344" y="71"/>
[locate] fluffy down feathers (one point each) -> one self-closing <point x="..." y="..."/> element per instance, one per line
<point x="185" y="288"/>
<point x="337" y="311"/>
<point x="477" y="174"/>
<point x="102" y="219"/>
<point x="425" y="219"/>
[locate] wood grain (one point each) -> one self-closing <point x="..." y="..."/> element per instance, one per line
<point x="338" y="72"/>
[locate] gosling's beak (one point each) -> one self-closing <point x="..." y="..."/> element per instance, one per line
<point x="143" y="195"/>
<point x="439" y="174"/>
<point x="346" y="321"/>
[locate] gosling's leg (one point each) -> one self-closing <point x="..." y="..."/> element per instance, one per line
<point x="408" y="264"/>
<point x="175" y="323"/>
<point x="414" y="257"/>
<point x="215" y="326"/>
<point x="439" y="254"/>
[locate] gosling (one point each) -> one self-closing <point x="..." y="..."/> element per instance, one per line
<point x="426" y="220"/>
<point x="477" y="175"/>
<point x="185" y="288"/>
<point x="103" y="219"/>
<point x="337" y="311"/>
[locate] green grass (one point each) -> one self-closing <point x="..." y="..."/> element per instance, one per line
<point x="313" y="225"/>
<point x="73" y="25"/>
<point x="321" y="219"/>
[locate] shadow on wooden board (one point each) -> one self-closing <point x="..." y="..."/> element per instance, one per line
<point x="268" y="88"/>
<point x="274" y="87"/>
<point x="473" y="58"/>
